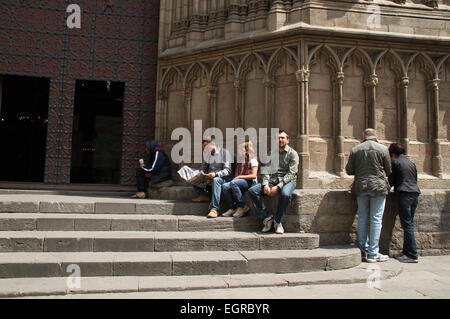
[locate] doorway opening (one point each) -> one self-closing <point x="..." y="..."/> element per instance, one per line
<point x="23" y="127"/>
<point x="97" y="132"/>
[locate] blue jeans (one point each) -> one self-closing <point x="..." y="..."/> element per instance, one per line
<point x="214" y="191"/>
<point x="233" y="192"/>
<point x="407" y="204"/>
<point x="256" y="193"/>
<point x="370" y="206"/>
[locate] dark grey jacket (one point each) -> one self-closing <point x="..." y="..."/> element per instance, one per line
<point x="219" y="163"/>
<point x="371" y="164"/>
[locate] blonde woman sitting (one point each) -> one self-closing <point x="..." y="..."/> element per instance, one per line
<point x="246" y="177"/>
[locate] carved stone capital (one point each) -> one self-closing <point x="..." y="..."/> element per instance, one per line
<point x="302" y="75"/>
<point x="181" y="26"/>
<point x="212" y="91"/>
<point x="163" y="95"/>
<point x="404" y="82"/>
<point x="339" y="78"/>
<point x="198" y="22"/>
<point x="371" y="81"/>
<point x="269" y="82"/>
<point x="433" y="84"/>
<point x="187" y="93"/>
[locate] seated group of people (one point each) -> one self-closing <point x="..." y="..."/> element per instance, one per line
<point x="217" y="165"/>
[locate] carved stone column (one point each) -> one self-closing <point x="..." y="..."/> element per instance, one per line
<point x="339" y="138"/>
<point x="436" y="159"/>
<point x="161" y="121"/>
<point x="403" y="112"/>
<point x="251" y="16"/>
<point x="302" y="77"/>
<point x="233" y="25"/>
<point x="295" y="14"/>
<point x="261" y="14"/>
<point x="197" y="26"/>
<point x="371" y="86"/>
<point x="239" y="100"/>
<point x="277" y="16"/>
<point x="269" y="103"/>
<point x="180" y="26"/>
<point x="212" y="100"/>
<point x="188" y="106"/>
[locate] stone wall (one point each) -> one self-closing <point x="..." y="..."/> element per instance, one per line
<point x="333" y="215"/>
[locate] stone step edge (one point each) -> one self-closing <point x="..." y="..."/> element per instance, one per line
<point x="60" y="286"/>
<point x="123" y="241"/>
<point x="104" y="206"/>
<point x="30" y="265"/>
<point x="121" y="222"/>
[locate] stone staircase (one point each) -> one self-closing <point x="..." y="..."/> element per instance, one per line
<point x="127" y="245"/>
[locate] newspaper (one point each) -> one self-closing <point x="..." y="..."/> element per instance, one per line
<point x="194" y="176"/>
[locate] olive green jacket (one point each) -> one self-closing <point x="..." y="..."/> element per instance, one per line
<point x="371" y="164"/>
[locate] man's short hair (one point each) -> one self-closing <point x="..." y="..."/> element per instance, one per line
<point x="397" y="149"/>
<point x="207" y="139"/>
<point x="283" y="131"/>
<point x="370" y="132"/>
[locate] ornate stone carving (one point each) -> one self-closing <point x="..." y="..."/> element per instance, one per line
<point x="339" y="78"/>
<point x="433" y="84"/>
<point x="404" y="82"/>
<point x="198" y="22"/>
<point x="302" y="75"/>
<point x="371" y="81"/>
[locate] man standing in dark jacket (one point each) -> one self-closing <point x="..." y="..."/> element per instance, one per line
<point x="404" y="180"/>
<point x="371" y="164"/>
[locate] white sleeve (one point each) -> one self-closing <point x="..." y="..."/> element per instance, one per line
<point x="154" y="162"/>
<point x="254" y="162"/>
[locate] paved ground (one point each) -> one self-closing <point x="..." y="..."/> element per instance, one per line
<point x="429" y="279"/>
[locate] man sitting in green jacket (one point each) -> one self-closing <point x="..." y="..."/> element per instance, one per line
<point x="282" y="182"/>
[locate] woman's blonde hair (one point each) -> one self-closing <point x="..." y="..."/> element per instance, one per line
<point x="248" y="151"/>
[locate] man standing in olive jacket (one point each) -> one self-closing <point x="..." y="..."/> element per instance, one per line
<point x="371" y="164"/>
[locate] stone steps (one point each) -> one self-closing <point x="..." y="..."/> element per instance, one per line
<point x="115" y="241"/>
<point x="115" y="222"/>
<point x="57" y="286"/>
<point x="100" y="264"/>
<point x="114" y="238"/>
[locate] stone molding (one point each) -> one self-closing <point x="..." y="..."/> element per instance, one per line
<point x="232" y="19"/>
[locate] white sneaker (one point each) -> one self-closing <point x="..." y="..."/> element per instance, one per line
<point x="241" y="211"/>
<point x="377" y="258"/>
<point x="267" y="222"/>
<point x="279" y="228"/>
<point x="229" y="213"/>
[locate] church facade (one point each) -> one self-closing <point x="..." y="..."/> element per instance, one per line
<point x="321" y="70"/>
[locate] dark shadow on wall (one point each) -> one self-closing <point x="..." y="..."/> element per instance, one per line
<point x="335" y="219"/>
<point x="388" y="225"/>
